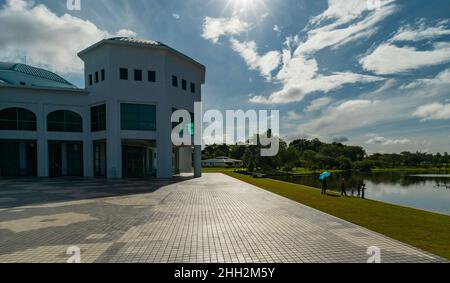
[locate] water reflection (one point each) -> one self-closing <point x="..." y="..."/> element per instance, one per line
<point x="423" y="191"/>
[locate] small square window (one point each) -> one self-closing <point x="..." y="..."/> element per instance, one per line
<point x="184" y="84"/>
<point x="151" y="76"/>
<point x="193" y="87"/>
<point x="96" y="77"/>
<point x="90" y="79"/>
<point x="138" y="75"/>
<point x="103" y="75"/>
<point x="123" y="73"/>
<point x="174" y="81"/>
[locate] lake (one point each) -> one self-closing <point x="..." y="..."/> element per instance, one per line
<point x="423" y="191"/>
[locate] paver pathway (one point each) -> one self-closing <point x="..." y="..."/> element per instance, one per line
<point x="211" y="219"/>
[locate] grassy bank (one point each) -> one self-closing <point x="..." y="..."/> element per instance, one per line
<point x="425" y="230"/>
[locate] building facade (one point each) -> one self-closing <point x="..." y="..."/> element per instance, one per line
<point x="119" y="126"/>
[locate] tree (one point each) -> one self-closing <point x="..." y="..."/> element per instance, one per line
<point x="344" y="163"/>
<point x="364" y="166"/>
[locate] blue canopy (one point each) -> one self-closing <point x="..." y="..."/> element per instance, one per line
<point x="324" y="175"/>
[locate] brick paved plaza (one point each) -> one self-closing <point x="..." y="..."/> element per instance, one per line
<point x="212" y="219"/>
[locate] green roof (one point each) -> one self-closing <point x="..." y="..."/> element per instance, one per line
<point x="17" y="73"/>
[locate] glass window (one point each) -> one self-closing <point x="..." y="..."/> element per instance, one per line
<point x="98" y="118"/>
<point x="17" y="119"/>
<point x="193" y="87"/>
<point x="138" y="75"/>
<point x="103" y="75"/>
<point x="96" y="77"/>
<point x="90" y="79"/>
<point x="64" y="121"/>
<point x="123" y="73"/>
<point x="184" y="84"/>
<point x="138" y="117"/>
<point x="151" y="76"/>
<point x="174" y="81"/>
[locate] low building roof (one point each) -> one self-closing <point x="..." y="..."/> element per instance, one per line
<point x="22" y="74"/>
<point x="221" y="159"/>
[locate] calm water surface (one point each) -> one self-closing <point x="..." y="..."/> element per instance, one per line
<point x="423" y="191"/>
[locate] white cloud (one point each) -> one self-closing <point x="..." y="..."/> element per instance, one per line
<point x="300" y="74"/>
<point x="423" y="32"/>
<point x="293" y="116"/>
<point x="344" y="13"/>
<point x="176" y="16"/>
<point x="126" y="33"/>
<point x="249" y="52"/>
<point x="318" y="104"/>
<point x="443" y="78"/>
<point x="391" y="59"/>
<point x="295" y="89"/>
<point x="433" y="111"/>
<point x="375" y="139"/>
<point x="48" y="40"/>
<point x="214" y="28"/>
<point x="277" y="29"/>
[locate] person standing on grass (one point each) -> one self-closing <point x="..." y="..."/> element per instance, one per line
<point x="343" y="188"/>
<point x="363" y="191"/>
<point x="324" y="186"/>
<point x="359" y="189"/>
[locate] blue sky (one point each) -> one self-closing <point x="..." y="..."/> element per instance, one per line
<point x="376" y="76"/>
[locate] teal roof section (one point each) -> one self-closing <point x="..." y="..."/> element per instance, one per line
<point x="22" y="74"/>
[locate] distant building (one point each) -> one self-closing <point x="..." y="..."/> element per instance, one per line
<point x="119" y="126"/>
<point x="222" y="162"/>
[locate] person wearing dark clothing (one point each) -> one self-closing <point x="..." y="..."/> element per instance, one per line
<point x="363" y="191"/>
<point x="359" y="189"/>
<point x="343" y="188"/>
<point x="324" y="186"/>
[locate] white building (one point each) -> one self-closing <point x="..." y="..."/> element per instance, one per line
<point x="119" y="126"/>
<point x="222" y="161"/>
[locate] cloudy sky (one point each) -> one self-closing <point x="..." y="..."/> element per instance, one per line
<point x="372" y="73"/>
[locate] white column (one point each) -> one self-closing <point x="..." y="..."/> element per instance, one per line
<point x="88" y="158"/>
<point x="23" y="158"/>
<point x="164" y="145"/>
<point x="198" y="161"/>
<point x="114" y="141"/>
<point x="185" y="159"/>
<point x="64" y="159"/>
<point x="42" y="143"/>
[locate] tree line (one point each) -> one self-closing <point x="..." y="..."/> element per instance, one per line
<point x="317" y="155"/>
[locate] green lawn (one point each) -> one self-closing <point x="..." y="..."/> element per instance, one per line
<point x="425" y="230"/>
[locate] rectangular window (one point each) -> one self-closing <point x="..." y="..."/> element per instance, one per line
<point x="138" y="117"/>
<point x="103" y="75"/>
<point x="123" y="73"/>
<point x="96" y="77"/>
<point x="138" y="75"/>
<point x="174" y="81"/>
<point x="193" y="87"/>
<point x="184" y="84"/>
<point x="98" y="118"/>
<point x="90" y="79"/>
<point x="151" y="76"/>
